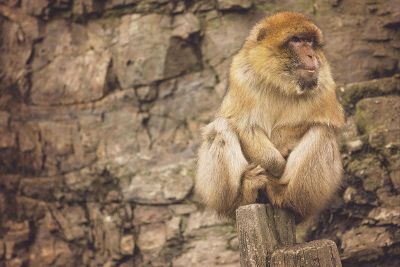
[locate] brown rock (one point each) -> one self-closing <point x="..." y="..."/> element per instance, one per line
<point x="182" y="57"/>
<point x="370" y="171"/>
<point x="4" y="119"/>
<point x="209" y="248"/>
<point x="16" y="262"/>
<point x="185" y="25"/>
<point x="58" y="136"/>
<point x="201" y="219"/>
<point x="173" y="228"/>
<point x="150" y="214"/>
<point x="354" y="92"/>
<point x="2" y="249"/>
<point x="31" y="208"/>
<point x="28" y="139"/>
<point x="182" y="209"/>
<point x="141" y="49"/>
<point x="7" y="139"/>
<point x="72" y="221"/>
<point x="83" y="81"/>
<point x="152" y="238"/>
<point x="162" y="185"/>
<point x="17" y="235"/>
<point x="106" y="232"/>
<point x="37" y="8"/>
<point x="224" y="36"/>
<point x="127" y="245"/>
<point x="234" y="4"/>
<point x="39" y="188"/>
<point x="394" y="170"/>
<point x="352" y="195"/>
<point x="50" y="251"/>
<point x="365" y="243"/>
<point x="385" y="215"/>
<point x="384" y="113"/>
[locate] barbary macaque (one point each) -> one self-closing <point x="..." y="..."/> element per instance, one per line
<point x="274" y="135"/>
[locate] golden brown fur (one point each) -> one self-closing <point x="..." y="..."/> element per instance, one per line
<point x="270" y="134"/>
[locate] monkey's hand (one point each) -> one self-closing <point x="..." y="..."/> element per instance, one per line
<point x="259" y="149"/>
<point x="254" y="179"/>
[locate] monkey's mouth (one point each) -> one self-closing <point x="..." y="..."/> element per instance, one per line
<point x="307" y="78"/>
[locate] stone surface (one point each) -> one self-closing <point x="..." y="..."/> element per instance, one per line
<point x="101" y="108"/>
<point x="138" y="62"/>
<point x="164" y="185"/>
<point x="209" y="248"/>
<point x="365" y="243"/>
<point x="234" y="4"/>
<point x="384" y="112"/>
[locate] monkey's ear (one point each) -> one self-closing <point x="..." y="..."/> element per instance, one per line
<point x="262" y="34"/>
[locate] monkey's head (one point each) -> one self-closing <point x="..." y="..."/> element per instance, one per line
<point x="285" y="51"/>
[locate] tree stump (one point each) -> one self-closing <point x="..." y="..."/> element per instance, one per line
<point x="262" y="229"/>
<point x="319" y="253"/>
<point x="267" y="238"/>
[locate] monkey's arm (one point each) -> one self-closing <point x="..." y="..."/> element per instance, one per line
<point x="313" y="173"/>
<point x="224" y="179"/>
<point x="259" y="149"/>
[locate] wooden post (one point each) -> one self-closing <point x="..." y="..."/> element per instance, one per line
<point x="319" y="253"/>
<point x="267" y="238"/>
<point x="262" y="229"/>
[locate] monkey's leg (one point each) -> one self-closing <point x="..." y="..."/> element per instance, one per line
<point x="220" y="167"/>
<point x="259" y="149"/>
<point x="313" y="172"/>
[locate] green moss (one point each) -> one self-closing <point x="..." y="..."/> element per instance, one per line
<point x="359" y="118"/>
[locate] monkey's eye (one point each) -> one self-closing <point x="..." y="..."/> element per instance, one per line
<point x="295" y="39"/>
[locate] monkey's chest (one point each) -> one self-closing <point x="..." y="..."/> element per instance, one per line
<point x="286" y="138"/>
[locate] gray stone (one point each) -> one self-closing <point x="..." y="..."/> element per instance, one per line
<point x="224" y="36"/>
<point x="84" y="80"/>
<point x="150" y="214"/>
<point x="234" y="4"/>
<point x="181" y="209"/>
<point x="185" y="25"/>
<point x="209" y="248"/>
<point x="141" y="49"/>
<point x="202" y="219"/>
<point x="173" y="227"/>
<point x="162" y="185"/>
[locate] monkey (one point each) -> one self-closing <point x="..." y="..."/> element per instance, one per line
<point x="274" y="135"/>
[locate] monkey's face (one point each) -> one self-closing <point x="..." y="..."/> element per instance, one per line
<point x="285" y="52"/>
<point x="303" y="61"/>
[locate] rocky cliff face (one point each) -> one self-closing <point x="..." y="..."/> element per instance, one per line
<point x="100" y="108"/>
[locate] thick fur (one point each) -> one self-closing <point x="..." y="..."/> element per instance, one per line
<point x="266" y="118"/>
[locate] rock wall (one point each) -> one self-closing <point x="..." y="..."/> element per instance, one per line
<point x="100" y="108"/>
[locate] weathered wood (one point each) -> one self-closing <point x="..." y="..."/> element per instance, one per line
<point x="319" y="253"/>
<point x="262" y="229"/>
